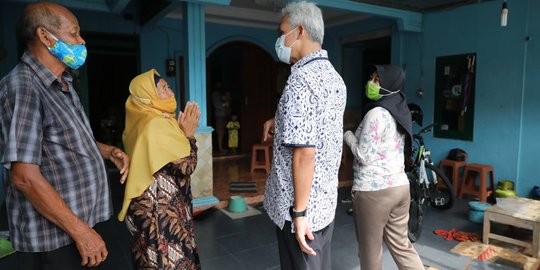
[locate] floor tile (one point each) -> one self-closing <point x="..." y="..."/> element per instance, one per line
<point x="259" y="258"/>
<point x="225" y="262"/>
<point x="250" y="244"/>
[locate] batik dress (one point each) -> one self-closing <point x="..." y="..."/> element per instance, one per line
<point x="160" y="220"/>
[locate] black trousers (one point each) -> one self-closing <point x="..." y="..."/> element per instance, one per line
<point x="293" y="258"/>
<point x="64" y="258"/>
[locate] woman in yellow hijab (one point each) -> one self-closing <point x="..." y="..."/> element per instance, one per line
<point x="157" y="201"/>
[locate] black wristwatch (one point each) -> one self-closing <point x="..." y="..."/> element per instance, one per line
<point x="296" y="214"/>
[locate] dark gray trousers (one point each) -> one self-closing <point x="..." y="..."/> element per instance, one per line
<point x="64" y="258"/>
<point x="292" y="257"/>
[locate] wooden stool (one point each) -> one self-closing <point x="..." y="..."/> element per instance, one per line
<point x="255" y="163"/>
<point x="456" y="166"/>
<point x="469" y="187"/>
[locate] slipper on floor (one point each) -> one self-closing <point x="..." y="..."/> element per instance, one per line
<point x="448" y="235"/>
<point x="460" y="236"/>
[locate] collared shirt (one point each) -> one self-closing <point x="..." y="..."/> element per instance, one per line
<point x="309" y="114"/>
<point x="45" y="125"/>
<point x="378" y="152"/>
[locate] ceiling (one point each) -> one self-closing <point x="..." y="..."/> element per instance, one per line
<point x="262" y="13"/>
<point x="265" y="13"/>
<point x="412" y="5"/>
<point x="421" y="5"/>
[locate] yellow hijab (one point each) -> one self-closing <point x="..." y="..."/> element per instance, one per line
<point x="151" y="137"/>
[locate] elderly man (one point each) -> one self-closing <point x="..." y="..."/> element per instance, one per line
<point x="57" y="186"/>
<point x="301" y="192"/>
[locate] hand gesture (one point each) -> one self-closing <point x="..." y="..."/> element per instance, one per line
<point x="121" y="161"/>
<point x="303" y="231"/>
<point x="188" y="120"/>
<point x="268" y="130"/>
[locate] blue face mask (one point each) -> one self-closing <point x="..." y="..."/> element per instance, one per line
<point x="283" y="52"/>
<point x="73" y="55"/>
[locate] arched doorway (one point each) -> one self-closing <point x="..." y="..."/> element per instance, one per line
<point x="248" y="72"/>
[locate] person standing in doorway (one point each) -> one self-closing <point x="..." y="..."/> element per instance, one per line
<point x="233" y="126"/>
<point x="380" y="190"/>
<point x="301" y="192"/>
<point x="56" y="178"/>
<point x="221" y="105"/>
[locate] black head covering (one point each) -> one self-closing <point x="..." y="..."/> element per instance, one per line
<point x="156" y="79"/>
<point x="392" y="78"/>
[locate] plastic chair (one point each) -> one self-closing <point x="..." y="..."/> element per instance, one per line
<point x="264" y="164"/>
<point x="469" y="177"/>
<point x="456" y="166"/>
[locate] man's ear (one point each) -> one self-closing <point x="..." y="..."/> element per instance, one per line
<point x="301" y="31"/>
<point x="44" y="37"/>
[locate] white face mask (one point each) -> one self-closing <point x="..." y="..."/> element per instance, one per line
<point x="283" y="52"/>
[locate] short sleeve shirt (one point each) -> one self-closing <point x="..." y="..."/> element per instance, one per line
<point x="309" y="114"/>
<point x="43" y="124"/>
<point x="379" y="160"/>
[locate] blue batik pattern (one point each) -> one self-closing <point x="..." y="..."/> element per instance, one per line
<point x="309" y="114"/>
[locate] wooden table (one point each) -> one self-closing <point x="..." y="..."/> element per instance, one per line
<point x="518" y="212"/>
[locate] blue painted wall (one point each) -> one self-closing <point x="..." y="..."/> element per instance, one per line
<point x="159" y="42"/>
<point x="9" y="14"/>
<point x="506" y="102"/>
<point x="406" y="52"/>
<point x="218" y="34"/>
<point x="529" y="147"/>
<point x="165" y="41"/>
<point x="346" y="55"/>
<point x="334" y="36"/>
<point x="506" y="77"/>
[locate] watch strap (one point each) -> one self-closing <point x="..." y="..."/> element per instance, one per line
<point x="296" y="214"/>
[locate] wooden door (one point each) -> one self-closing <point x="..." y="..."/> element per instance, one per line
<point x="259" y="94"/>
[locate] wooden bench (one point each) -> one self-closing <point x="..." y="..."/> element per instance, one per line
<point x="527" y="216"/>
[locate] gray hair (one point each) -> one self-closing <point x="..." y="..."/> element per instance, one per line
<point x="308" y="15"/>
<point x="37" y="15"/>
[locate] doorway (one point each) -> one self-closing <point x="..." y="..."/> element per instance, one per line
<point x="358" y="60"/>
<point x="248" y="74"/>
<point x="112" y="64"/>
<point x="359" y="56"/>
<point x="103" y="85"/>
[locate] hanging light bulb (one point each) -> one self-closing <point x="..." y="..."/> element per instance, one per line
<point x="504" y="14"/>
